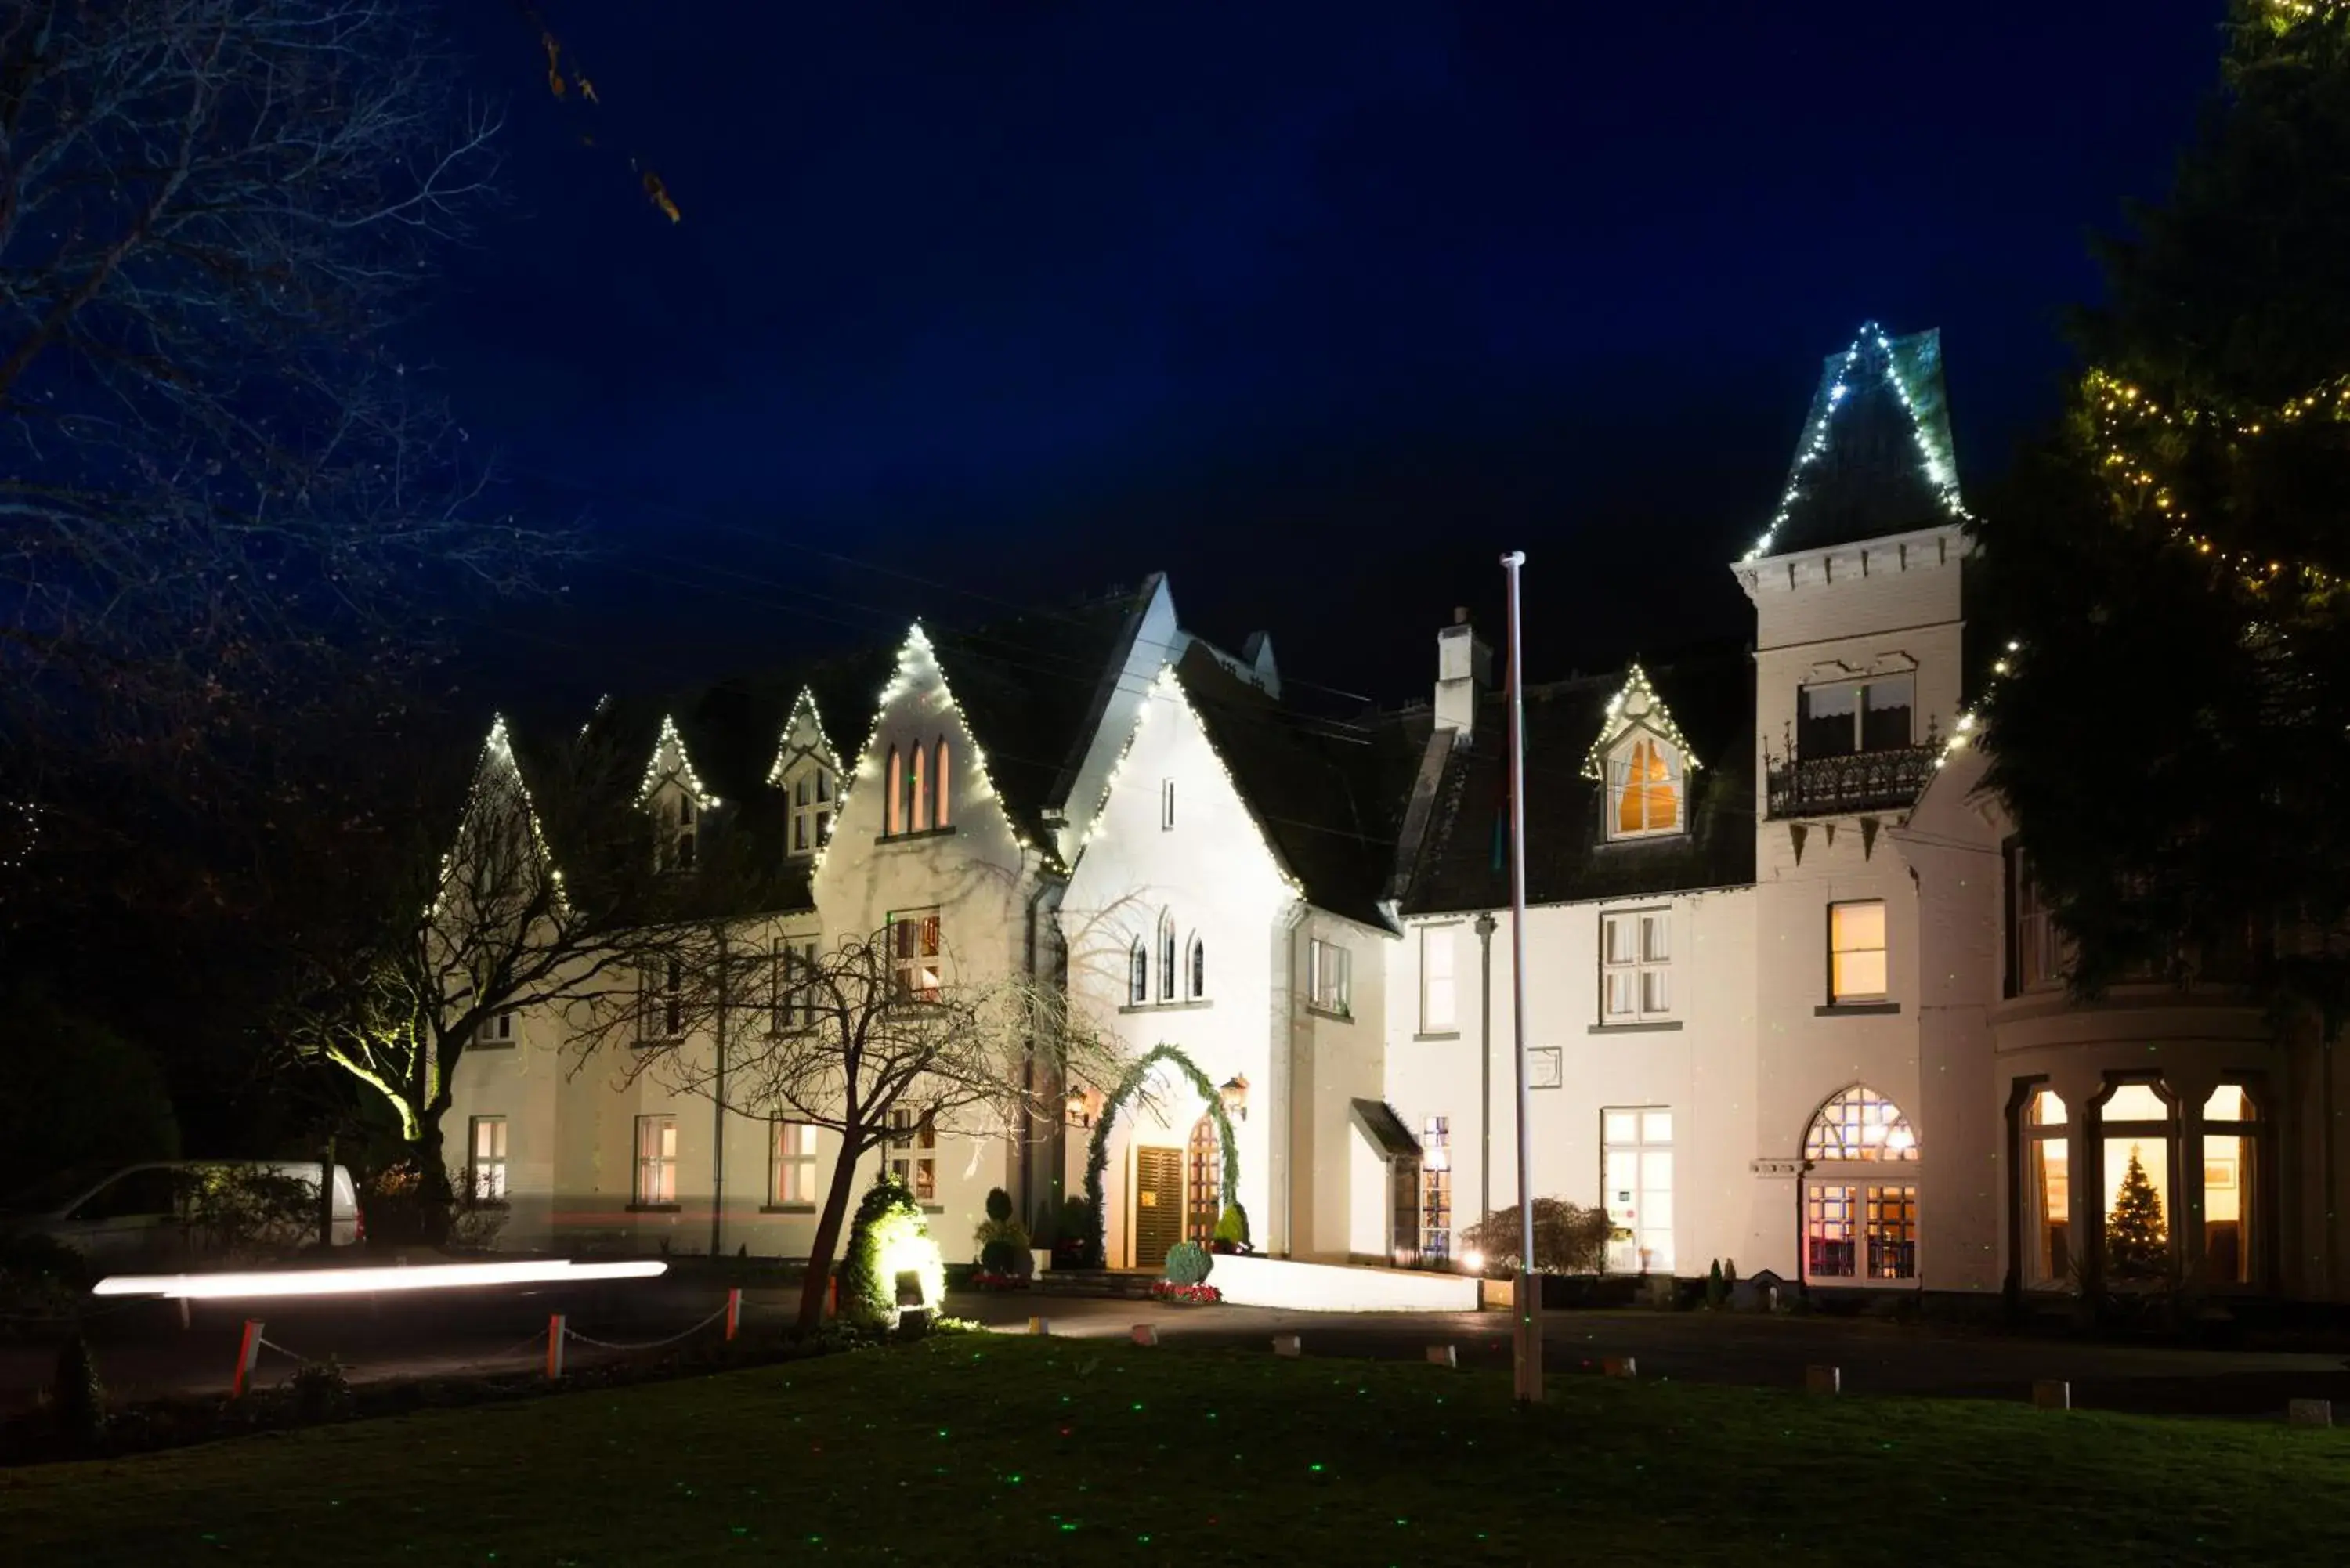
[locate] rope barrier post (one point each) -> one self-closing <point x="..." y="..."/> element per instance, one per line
<point x="186" y="1318"/>
<point x="733" y="1312"/>
<point x="248" y="1354"/>
<point x="555" y="1335"/>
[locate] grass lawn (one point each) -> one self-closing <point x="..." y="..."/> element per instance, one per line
<point x="979" y="1449"/>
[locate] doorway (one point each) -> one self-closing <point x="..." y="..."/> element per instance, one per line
<point x="1203" y="1185"/>
<point x="1158" y="1204"/>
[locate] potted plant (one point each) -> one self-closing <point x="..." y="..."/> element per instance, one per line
<point x="1003" y="1259"/>
<point x="1186" y="1282"/>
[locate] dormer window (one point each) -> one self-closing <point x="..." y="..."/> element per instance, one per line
<point x="1644" y="788"/>
<point x="811" y="801"/>
<point x="1839" y="717"/>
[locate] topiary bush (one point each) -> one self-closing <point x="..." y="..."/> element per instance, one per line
<point x="1000" y="1257"/>
<point x="999" y="1206"/>
<point x="76" y="1397"/>
<point x="1002" y="1239"/>
<point x="1568" y="1239"/>
<point x="888" y="1238"/>
<point x="1232" y="1230"/>
<point x="1188" y="1263"/>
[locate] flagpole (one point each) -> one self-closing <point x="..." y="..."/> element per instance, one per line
<point x="1526" y="1294"/>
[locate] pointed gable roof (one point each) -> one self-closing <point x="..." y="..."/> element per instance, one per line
<point x="1636" y="706"/>
<point x="1875" y="457"/>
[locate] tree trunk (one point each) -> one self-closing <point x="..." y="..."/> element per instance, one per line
<point x="435" y="1198"/>
<point x="827" y="1236"/>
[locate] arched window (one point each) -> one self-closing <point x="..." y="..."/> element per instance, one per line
<point x="2047" y="1191"/>
<point x="2232" y="1186"/>
<point x="1202" y="1182"/>
<point x="1166" y="970"/>
<point x="1199" y="968"/>
<point x="1137" y="975"/>
<point x="894" y="794"/>
<point x="1859" y="1226"/>
<point x="918" y="803"/>
<point x="1644" y="779"/>
<point x="943" y="816"/>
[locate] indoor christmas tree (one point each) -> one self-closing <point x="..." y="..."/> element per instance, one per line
<point x="2138" y="1241"/>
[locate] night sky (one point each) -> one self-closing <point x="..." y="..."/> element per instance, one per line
<point x="1316" y="307"/>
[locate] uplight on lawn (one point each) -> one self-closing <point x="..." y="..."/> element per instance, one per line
<point x="366" y="1282"/>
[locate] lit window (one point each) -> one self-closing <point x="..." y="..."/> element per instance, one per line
<point x="495" y="1029"/>
<point x="1166" y="804"/>
<point x="893" y="794"/>
<point x="1636" y="1174"/>
<point x="791" y="1176"/>
<point x="1860" y="1123"/>
<point x="1435" y="1190"/>
<point x="918" y="799"/>
<point x="656" y="1160"/>
<point x="1166" y="958"/>
<point x="1857" y="951"/>
<point x="1636" y="966"/>
<point x="488" y="1143"/>
<point x="1644" y="788"/>
<point x="942" y="815"/>
<point x="1439" y="1005"/>
<point x="1329" y="978"/>
<point x="2231" y="1186"/>
<point x="809" y="792"/>
<point x="1199" y="968"/>
<point x="1137" y="974"/>
<point x="913" y="1151"/>
<point x="1840" y="718"/>
<point x="2047" y="1193"/>
<point x="2136" y="1125"/>
<point x="915" y="954"/>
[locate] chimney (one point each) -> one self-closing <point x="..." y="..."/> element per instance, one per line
<point x="1465" y="669"/>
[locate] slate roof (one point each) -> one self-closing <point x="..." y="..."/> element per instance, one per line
<point x="1867" y="463"/>
<point x="1461" y="864"/>
<point x="1329" y="794"/>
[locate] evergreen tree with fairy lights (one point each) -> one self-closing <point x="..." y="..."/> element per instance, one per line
<point x="2138" y="1238"/>
<point x="2165" y="575"/>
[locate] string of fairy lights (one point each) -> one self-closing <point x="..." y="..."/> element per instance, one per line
<point x="682" y="771"/>
<point x="1939" y="470"/>
<point x="1621" y="716"/>
<point x="803" y="703"/>
<point x="497" y="751"/>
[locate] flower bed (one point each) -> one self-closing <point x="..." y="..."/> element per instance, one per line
<point x="981" y="1280"/>
<point x="1185" y="1295"/>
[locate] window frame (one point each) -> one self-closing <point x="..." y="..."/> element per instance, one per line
<point x="1195" y="969"/>
<point x="1329" y="985"/>
<point x="1443" y="938"/>
<point x="941" y="795"/>
<point x="660" y="1164"/>
<point x="1638" y="969"/>
<point x="906" y="967"/>
<point x="495" y="1030"/>
<point x="1807" y="727"/>
<point x="916" y="1130"/>
<point x="1640" y="739"/>
<point x="494" y="1162"/>
<point x="789" y="1168"/>
<point x="1836" y="997"/>
<point x="1167" y="805"/>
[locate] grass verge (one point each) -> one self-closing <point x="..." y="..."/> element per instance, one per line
<point x="978" y="1448"/>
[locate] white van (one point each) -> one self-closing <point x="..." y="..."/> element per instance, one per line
<point x="169" y="1214"/>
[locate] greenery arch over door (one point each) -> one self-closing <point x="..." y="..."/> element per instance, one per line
<point x="1097" y="1152"/>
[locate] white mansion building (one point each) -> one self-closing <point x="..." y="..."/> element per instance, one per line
<point x="1790" y="998"/>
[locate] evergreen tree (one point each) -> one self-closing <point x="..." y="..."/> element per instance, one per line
<point x="2174" y="722"/>
<point x="2138" y="1238"/>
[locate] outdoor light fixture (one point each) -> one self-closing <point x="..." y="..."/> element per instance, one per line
<point x="1474" y="1261"/>
<point x="1235" y="1092"/>
<point x="1080" y="1111"/>
<point x="367" y="1281"/>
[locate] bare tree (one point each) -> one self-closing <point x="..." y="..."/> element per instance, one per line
<point x="549" y="898"/>
<point x="872" y="1028"/>
<point x="213" y="471"/>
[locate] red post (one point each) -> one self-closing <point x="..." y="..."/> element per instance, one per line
<point x="734" y="1311"/>
<point x="248" y="1354"/>
<point x="555" y="1332"/>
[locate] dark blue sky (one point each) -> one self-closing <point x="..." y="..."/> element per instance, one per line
<point x="1318" y="307"/>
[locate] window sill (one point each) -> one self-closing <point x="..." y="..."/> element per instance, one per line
<point x="915" y="837"/>
<point x="934" y="1208"/>
<point x="1628" y="840"/>
<point x="662" y="1045"/>
<point x="786" y="1208"/>
<point x="656" y="1209"/>
<point x="1856" y="1010"/>
<point x="1195" y="1002"/>
<point x="495" y="1044"/>
<point x="1439" y="1035"/>
<point x="1342" y="1017"/>
<point x="1647" y="1026"/>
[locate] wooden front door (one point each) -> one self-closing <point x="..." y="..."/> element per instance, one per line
<point x="1158" y="1204"/>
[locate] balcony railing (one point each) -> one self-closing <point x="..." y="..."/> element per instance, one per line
<point x="1859" y="781"/>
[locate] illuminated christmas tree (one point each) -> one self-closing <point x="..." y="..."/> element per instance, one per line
<point x="2137" y="1239"/>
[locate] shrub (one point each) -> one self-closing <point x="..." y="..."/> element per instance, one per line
<point x="999" y="1206"/>
<point x="1074" y="1240"/>
<point x="1568" y="1239"/>
<point x="1001" y="1258"/>
<point x="1232" y="1230"/>
<point x="78" y="1397"/>
<point x="1716" y="1293"/>
<point x="1043" y="1233"/>
<point x="238" y="1211"/>
<point x="321" y="1392"/>
<point x="888" y="1238"/>
<point x="1188" y="1263"/>
<point x="1002" y="1239"/>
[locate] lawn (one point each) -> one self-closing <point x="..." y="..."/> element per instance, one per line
<point x="978" y="1450"/>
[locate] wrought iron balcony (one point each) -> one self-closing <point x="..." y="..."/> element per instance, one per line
<point x="1857" y="781"/>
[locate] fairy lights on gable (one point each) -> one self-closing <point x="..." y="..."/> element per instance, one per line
<point x="656" y="774"/>
<point x="497" y="759"/>
<point x="1941" y="473"/>
<point x="785" y="751"/>
<point x="1635" y="706"/>
<point x="913" y="654"/>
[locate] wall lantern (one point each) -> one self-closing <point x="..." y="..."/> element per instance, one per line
<point x="1080" y="1108"/>
<point x="1235" y="1092"/>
